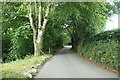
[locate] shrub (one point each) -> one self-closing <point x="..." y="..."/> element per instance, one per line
<point x="21" y="43"/>
<point x="103" y="48"/>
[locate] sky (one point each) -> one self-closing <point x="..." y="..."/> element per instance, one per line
<point x="112" y="22"/>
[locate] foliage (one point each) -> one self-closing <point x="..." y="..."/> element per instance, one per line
<point x="103" y="48"/>
<point x="5" y="45"/>
<point x="82" y="19"/>
<point x="76" y="23"/>
<point x="13" y="15"/>
<point x="17" y="43"/>
<point x="21" y="43"/>
<point x="66" y="38"/>
<point x="11" y="21"/>
<point x="16" y="69"/>
<point x="52" y="37"/>
<point x="118" y="6"/>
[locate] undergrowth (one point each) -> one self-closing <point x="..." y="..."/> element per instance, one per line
<point x="16" y="69"/>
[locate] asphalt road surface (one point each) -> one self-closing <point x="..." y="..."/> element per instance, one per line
<point x="65" y="64"/>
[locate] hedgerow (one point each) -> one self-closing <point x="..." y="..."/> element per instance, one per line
<point x="103" y="48"/>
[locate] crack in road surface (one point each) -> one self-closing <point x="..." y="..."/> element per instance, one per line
<point x="66" y="65"/>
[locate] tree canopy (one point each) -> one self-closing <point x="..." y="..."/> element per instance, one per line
<point x="36" y="27"/>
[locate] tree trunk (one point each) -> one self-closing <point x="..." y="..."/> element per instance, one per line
<point x="75" y="40"/>
<point x="37" y="27"/>
<point x="74" y="43"/>
<point x="38" y="44"/>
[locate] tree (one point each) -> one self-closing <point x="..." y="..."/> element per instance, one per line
<point x="14" y="32"/>
<point x="84" y="19"/>
<point x="35" y="15"/>
<point x="38" y="26"/>
<point x="81" y="20"/>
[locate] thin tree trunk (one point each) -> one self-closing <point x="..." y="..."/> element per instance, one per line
<point x="75" y="40"/>
<point x="33" y="28"/>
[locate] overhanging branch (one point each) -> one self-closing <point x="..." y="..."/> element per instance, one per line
<point x="46" y="16"/>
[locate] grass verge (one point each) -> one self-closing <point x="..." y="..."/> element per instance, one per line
<point x="16" y="69"/>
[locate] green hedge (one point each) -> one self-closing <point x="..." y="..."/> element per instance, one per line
<point x="103" y="48"/>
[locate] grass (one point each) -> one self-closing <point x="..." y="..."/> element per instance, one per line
<point x="16" y="69"/>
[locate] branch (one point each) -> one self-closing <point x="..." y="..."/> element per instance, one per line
<point x="31" y="19"/>
<point x="46" y="17"/>
<point x="40" y="16"/>
<point x="36" y="15"/>
<point x="24" y="16"/>
<point x="32" y="24"/>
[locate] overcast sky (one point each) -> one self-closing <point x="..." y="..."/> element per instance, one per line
<point x="112" y="23"/>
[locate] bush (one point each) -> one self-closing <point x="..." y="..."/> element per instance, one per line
<point x="21" y="43"/>
<point x="5" y="46"/>
<point x="103" y="48"/>
<point x="52" y="38"/>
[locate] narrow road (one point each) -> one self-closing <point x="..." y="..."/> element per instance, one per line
<point x="65" y="64"/>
